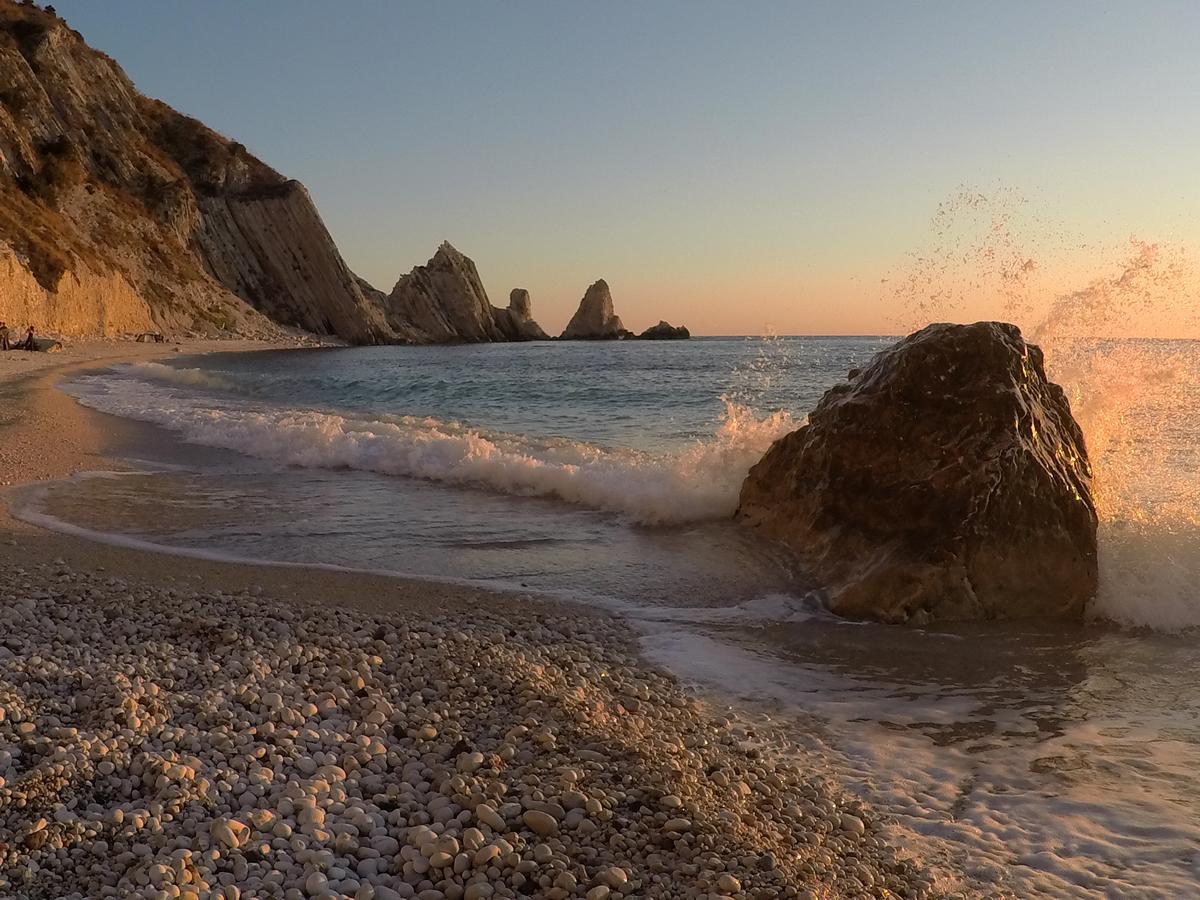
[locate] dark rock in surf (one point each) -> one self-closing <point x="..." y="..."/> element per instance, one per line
<point x="664" y="331"/>
<point x="946" y="481"/>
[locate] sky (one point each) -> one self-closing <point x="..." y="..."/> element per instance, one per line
<point x="740" y="168"/>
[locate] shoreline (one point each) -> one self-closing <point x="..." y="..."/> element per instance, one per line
<point x="576" y="768"/>
<point x="43" y="424"/>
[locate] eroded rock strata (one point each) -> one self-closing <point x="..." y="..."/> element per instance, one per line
<point x="516" y="321"/>
<point x="444" y="301"/>
<point x="946" y="480"/>
<point x="118" y="213"/>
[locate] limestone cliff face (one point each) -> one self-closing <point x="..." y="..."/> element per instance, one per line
<point x="274" y="251"/>
<point x="595" y="319"/>
<point x="118" y="213"/>
<point x="444" y="302"/>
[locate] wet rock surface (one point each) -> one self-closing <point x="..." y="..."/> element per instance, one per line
<point x="946" y="480"/>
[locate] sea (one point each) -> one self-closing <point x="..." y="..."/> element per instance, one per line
<point x="1041" y="759"/>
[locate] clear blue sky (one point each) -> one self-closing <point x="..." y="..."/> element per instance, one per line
<point x="729" y="165"/>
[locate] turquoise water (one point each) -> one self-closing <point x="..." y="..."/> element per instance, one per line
<point x="1043" y="760"/>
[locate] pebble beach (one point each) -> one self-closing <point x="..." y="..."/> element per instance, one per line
<point x="168" y="743"/>
<point x="173" y="727"/>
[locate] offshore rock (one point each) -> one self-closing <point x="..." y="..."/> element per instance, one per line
<point x="595" y="319"/>
<point x="516" y="322"/>
<point x="946" y="481"/>
<point x="665" y="331"/>
<point x="443" y="300"/>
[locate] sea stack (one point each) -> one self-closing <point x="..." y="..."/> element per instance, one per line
<point x="595" y="319"/>
<point x="947" y="481"/>
<point x="517" y="320"/>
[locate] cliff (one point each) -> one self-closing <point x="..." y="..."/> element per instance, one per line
<point x="444" y="301"/>
<point x="118" y="213"/>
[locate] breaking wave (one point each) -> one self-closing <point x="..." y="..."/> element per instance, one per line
<point x="189" y="377"/>
<point x="697" y="483"/>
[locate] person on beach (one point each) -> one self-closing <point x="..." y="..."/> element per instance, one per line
<point x="4" y="336"/>
<point x="29" y="343"/>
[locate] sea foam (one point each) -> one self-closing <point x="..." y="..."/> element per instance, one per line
<point x="700" y="482"/>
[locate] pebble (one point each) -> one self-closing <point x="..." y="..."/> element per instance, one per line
<point x="168" y="741"/>
<point x="540" y="822"/>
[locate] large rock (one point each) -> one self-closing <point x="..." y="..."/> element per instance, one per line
<point x="445" y="300"/>
<point x="595" y="319"/>
<point x="947" y="480"/>
<point x="516" y="322"/>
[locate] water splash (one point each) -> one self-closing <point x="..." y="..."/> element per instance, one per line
<point x="1120" y="340"/>
<point x="753" y="381"/>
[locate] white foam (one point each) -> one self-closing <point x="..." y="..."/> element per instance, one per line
<point x="701" y="482"/>
<point x="189" y="377"/>
<point x="765" y="610"/>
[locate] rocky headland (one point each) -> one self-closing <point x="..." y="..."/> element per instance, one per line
<point x="947" y="480"/>
<point x="119" y="215"/>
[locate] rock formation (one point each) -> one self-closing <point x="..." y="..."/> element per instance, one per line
<point x="516" y="322"/>
<point x="665" y="331"/>
<point x="595" y="319"/>
<point x="947" y="480"/>
<point x="444" y="301"/>
<point x="118" y="213"/>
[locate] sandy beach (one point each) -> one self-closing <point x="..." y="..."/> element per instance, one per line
<point x="175" y="727"/>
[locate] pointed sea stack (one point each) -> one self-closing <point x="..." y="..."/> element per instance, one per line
<point x="946" y="481"/>
<point x="595" y="319"/>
